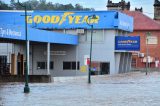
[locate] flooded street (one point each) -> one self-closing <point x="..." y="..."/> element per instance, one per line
<point x="131" y="89"/>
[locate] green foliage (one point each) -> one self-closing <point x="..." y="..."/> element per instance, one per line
<point x="4" y="6"/>
<point x="41" y="5"/>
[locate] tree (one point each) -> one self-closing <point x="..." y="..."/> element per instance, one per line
<point x="50" y="6"/>
<point x="15" y="6"/>
<point x="69" y="7"/>
<point x="4" y="6"/>
<point x="32" y="4"/>
<point x="78" y="7"/>
<point x="41" y="5"/>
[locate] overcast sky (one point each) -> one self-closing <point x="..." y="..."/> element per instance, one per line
<point x="101" y="4"/>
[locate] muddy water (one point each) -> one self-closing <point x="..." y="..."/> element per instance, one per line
<point x="132" y="89"/>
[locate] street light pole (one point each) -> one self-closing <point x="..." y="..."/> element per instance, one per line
<point x="90" y="63"/>
<point x="26" y="88"/>
<point x="89" y="73"/>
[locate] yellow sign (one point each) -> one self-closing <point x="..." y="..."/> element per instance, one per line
<point x="56" y="19"/>
<point x="83" y="68"/>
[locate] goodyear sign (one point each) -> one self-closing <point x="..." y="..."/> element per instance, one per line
<point x="60" y="19"/>
<point x="69" y="19"/>
<point x="78" y="19"/>
<point x="129" y="43"/>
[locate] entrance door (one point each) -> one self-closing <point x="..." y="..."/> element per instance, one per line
<point x="105" y="68"/>
<point x="3" y="64"/>
<point x="20" y="64"/>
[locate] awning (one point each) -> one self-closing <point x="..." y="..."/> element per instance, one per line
<point x="18" y="32"/>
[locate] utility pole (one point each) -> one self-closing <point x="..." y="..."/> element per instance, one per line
<point x="147" y="51"/>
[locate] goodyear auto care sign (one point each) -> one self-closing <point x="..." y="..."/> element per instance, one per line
<point x="79" y="19"/>
<point x="61" y="20"/>
<point x="69" y="20"/>
<point x="129" y="43"/>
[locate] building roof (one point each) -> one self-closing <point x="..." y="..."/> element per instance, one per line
<point x="143" y="22"/>
<point x="156" y="3"/>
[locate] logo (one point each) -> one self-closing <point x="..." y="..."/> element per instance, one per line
<point x="68" y="17"/>
<point x="128" y="41"/>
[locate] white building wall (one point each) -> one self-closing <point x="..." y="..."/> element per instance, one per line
<point x="103" y="51"/>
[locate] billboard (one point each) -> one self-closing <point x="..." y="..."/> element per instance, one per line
<point x="69" y="19"/>
<point x="128" y="43"/>
<point x="79" y="19"/>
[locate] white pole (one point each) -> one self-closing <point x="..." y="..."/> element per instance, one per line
<point x="48" y="58"/>
<point x="28" y="56"/>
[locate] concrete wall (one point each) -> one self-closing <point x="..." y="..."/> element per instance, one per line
<point x="32" y="78"/>
<point x="39" y="55"/>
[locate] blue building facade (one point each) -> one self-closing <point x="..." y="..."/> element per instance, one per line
<point x="61" y="39"/>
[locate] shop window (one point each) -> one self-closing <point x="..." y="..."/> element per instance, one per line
<point x="3" y="65"/>
<point x="152" y="40"/>
<point x="82" y="36"/>
<point x="70" y="65"/>
<point x="43" y="65"/>
<point x="66" y="65"/>
<point x="51" y="65"/>
<point x="73" y="65"/>
<point x="97" y="36"/>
